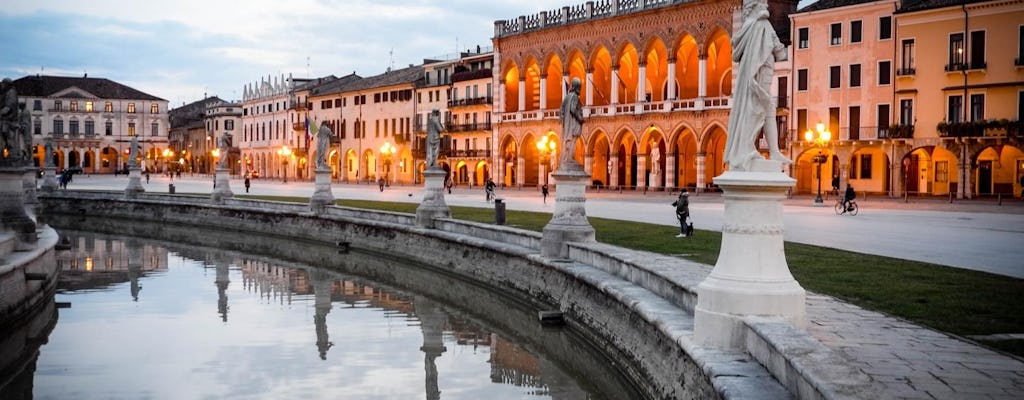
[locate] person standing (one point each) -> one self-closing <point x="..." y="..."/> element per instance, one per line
<point x="247" y="183"/>
<point x="544" y="192"/>
<point x="682" y="205"/>
<point x="380" y="182"/>
<point x="489" y="189"/>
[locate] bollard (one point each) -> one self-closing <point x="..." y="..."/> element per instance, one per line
<point x="499" y="211"/>
<point x="170" y="188"/>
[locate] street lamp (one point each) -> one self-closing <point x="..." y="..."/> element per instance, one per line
<point x="284" y="152"/>
<point x="215" y="153"/>
<point x="819" y="139"/>
<point x="387" y="150"/>
<point x="546" y="147"/>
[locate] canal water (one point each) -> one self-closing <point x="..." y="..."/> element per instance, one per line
<point x="145" y="318"/>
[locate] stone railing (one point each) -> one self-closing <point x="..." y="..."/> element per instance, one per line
<point x="588" y="11"/>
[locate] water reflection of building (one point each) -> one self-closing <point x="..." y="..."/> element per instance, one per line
<point x="96" y="262"/>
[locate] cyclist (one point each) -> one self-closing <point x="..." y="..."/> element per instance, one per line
<point x="489" y="189"/>
<point x="848" y="197"/>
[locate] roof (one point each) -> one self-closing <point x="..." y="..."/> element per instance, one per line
<point x="47" y="85"/>
<point x="334" y="85"/>
<point x="192" y="112"/>
<point x="829" y="4"/>
<point x="920" y="5"/>
<point x="410" y="75"/>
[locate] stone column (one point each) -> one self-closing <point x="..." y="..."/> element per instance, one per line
<point x="670" y="170"/>
<point x="322" y="195"/>
<point x="433" y="205"/>
<point x="28" y="184"/>
<point x="520" y="170"/>
<point x="615" y="85"/>
<point x="522" y="94"/>
<point x="569" y="221"/>
<point x="590" y="88"/>
<point x="641" y="84"/>
<point x="700" y="172"/>
<point x="588" y="167"/>
<point x="702" y="76"/>
<point x="751" y="276"/>
<point x="671" y="95"/>
<point x="641" y="170"/>
<point x="223" y="183"/>
<point x="543" y="93"/>
<point x="613" y="174"/>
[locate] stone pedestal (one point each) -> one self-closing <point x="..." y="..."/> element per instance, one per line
<point x="433" y="204"/>
<point x="49" y="180"/>
<point x="134" y="182"/>
<point x="751" y="276"/>
<point x="655" y="180"/>
<point x="569" y="221"/>
<point x="13" y="217"/>
<point x="28" y="184"/>
<point x="322" y="195"/>
<point x="223" y="185"/>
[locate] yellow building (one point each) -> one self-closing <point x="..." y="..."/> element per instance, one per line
<point x="960" y="88"/>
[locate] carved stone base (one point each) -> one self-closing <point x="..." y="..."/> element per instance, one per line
<point x="28" y="184"/>
<point x="12" y="209"/>
<point x="223" y="186"/>
<point x="433" y="204"/>
<point x="322" y="195"/>
<point x="569" y="222"/>
<point x="49" y="179"/>
<point x="134" y="182"/>
<point x="751" y="276"/>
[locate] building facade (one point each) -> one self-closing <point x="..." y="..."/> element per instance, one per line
<point x="657" y="82"/>
<point x="92" y="122"/>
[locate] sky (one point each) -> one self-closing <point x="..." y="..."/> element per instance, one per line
<point x="184" y="49"/>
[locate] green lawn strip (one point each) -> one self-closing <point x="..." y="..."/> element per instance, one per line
<point x="954" y="300"/>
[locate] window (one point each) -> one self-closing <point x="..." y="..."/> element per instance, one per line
<point x="131" y="108"/>
<point x="154" y="129"/>
<point x="37" y="105"/>
<point x="37" y="127"/>
<point x="978" y="50"/>
<point x="854" y="75"/>
<point x="58" y="127"/>
<point x="855" y="31"/>
<point x="88" y="106"/>
<point x="90" y="127"/>
<point x="801" y="79"/>
<point x="854" y="122"/>
<point x="883" y="120"/>
<point x="109" y="107"/>
<point x="942" y="171"/>
<point x="836" y="34"/>
<point x="154" y="108"/>
<point x="834" y="76"/>
<point x="73" y="127"/>
<point x="74" y="105"/>
<point x="376" y="97"/>
<point x="906" y="112"/>
<point x="907" y="65"/>
<point x="865" y="166"/>
<point x="802" y="37"/>
<point x="801" y="122"/>
<point x="108" y="128"/>
<point x="884" y="72"/>
<point x="833" y="121"/>
<point x="954" y="109"/>
<point x="977" y="107"/>
<point x="885" y="28"/>
<point x="376" y="129"/>
<point x="229" y="125"/>
<point x="1020" y="46"/>
<point x="956" y="52"/>
<point x="57" y="105"/>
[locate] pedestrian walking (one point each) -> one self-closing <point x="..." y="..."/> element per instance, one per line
<point x="682" y="205"/>
<point x="544" y="192"/>
<point x="380" y="181"/>
<point x="147" y="176"/>
<point x="247" y="183"/>
<point x="489" y="189"/>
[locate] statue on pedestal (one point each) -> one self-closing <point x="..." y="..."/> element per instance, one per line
<point x="133" y="152"/>
<point x="755" y="48"/>
<point x="323" y="143"/>
<point x="434" y="129"/>
<point x="224" y="144"/>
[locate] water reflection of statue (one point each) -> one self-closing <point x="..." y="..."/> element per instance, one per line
<point x="224" y="144"/>
<point x="434" y="129"/>
<point x="133" y="152"/>
<point x="655" y="158"/>
<point x="572" y="122"/>
<point x="755" y="48"/>
<point x="323" y="143"/>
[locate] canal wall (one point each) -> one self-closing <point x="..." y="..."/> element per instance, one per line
<point x="637" y="307"/>
<point x="28" y="278"/>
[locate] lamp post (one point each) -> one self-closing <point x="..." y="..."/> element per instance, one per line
<point x="284" y="152"/>
<point x="386" y="151"/>
<point x="819" y="139"/>
<point x="546" y="148"/>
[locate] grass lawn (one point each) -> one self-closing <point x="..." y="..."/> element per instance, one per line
<point x="958" y="301"/>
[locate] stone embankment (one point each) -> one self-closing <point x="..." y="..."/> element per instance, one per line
<point x="636" y="306"/>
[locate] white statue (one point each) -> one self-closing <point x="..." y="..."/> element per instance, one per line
<point x="755" y="48"/>
<point x="133" y="152"/>
<point x="224" y="144"/>
<point x="655" y="158"/>
<point x="572" y="122"/>
<point x="434" y="129"/>
<point x="323" y="143"/>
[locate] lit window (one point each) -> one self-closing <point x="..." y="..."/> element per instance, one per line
<point x="131" y="129"/>
<point x="88" y="106"/>
<point x="956" y="52"/>
<point x="109" y="107"/>
<point x="154" y="108"/>
<point x="131" y="108"/>
<point x="74" y="106"/>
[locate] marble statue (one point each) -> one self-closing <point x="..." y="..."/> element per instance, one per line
<point x="133" y="152"/>
<point x="8" y="114"/>
<point x="434" y="129"/>
<point x="755" y="48"/>
<point x="48" y="148"/>
<point x="655" y="158"/>
<point x="572" y="122"/>
<point x="323" y="144"/>
<point x="224" y="144"/>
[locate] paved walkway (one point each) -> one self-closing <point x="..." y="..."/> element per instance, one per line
<point x="907" y="360"/>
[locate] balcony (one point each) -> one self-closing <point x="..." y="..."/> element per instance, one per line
<point x="983" y="128"/>
<point x="956" y="67"/>
<point x="907" y="71"/>
<point x="483" y="126"/>
<point x="470" y="75"/>
<point x="896" y="132"/>
<point x="973" y="65"/>
<point x="470" y="153"/>
<point x="471" y="101"/>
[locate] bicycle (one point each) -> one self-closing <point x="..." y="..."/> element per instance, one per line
<point x="850" y="209"/>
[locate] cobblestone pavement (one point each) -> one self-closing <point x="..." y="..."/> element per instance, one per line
<point x="909" y="361"/>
